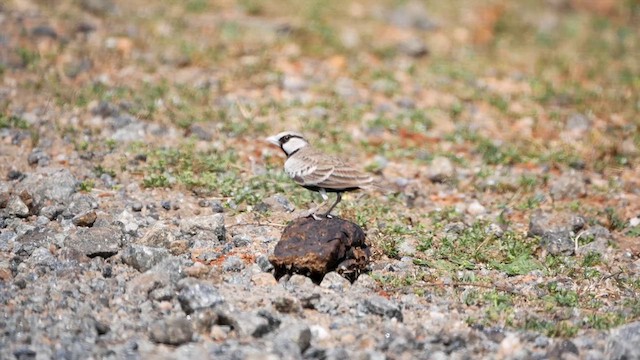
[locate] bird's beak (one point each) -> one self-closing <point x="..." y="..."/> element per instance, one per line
<point x="274" y="140"/>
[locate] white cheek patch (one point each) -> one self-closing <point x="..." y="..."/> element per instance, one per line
<point x="293" y="144"/>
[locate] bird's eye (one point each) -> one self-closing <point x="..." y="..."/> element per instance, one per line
<point x="286" y="138"/>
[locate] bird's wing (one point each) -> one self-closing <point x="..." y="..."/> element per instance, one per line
<point x="307" y="170"/>
<point x="312" y="168"/>
<point x="344" y="177"/>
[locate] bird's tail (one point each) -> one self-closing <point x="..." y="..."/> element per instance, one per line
<point x="378" y="186"/>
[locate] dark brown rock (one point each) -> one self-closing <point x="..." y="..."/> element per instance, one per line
<point x="316" y="247"/>
<point x="85" y="219"/>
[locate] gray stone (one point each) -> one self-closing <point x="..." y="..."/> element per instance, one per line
<point x="173" y="331"/>
<point x="600" y="238"/>
<point x="399" y="340"/>
<point x="542" y="223"/>
<point x="204" y="320"/>
<point x="568" y="186"/>
<point x="406" y="103"/>
<point x="412" y="14"/>
<point x="380" y="306"/>
<point x="200" y="132"/>
<point x="136" y="206"/>
<point x="299" y="333"/>
<point x="104" y="242"/>
<point x="79" y="204"/>
<point x="42" y="257"/>
<point x="52" y="212"/>
<point x="264" y="264"/>
<point x="541" y="341"/>
<point x="6" y="239"/>
<point x="195" y="295"/>
<point x="286" y="349"/>
<point x="241" y="241"/>
<point x="42" y="221"/>
<point x="32" y="239"/>
<point x="216" y="207"/>
<point x="143" y="258"/>
<point x="142" y="285"/>
<point x="105" y="109"/>
<point x="598" y="232"/>
<point x="441" y="169"/>
<point x="335" y="282"/>
<point x="558" y="243"/>
<point x="365" y="281"/>
<point x="337" y="354"/>
<point x="233" y="263"/>
<point x="556" y="230"/>
<point x="165" y="293"/>
<point x="294" y="83"/>
<point x="44" y="31"/>
<point x="210" y="227"/>
<point x="561" y="347"/>
<point x="455" y="228"/>
<point x="16" y="207"/>
<point x="287" y="305"/>
<point x="578" y="123"/>
<point x="174" y="266"/>
<point x="38" y="157"/>
<point x="275" y="203"/>
<point x="159" y="235"/>
<point x="245" y="324"/>
<point x="623" y="342"/>
<point x="128" y="223"/>
<point x="414" y="47"/>
<point x="135" y="131"/>
<point x="55" y="185"/>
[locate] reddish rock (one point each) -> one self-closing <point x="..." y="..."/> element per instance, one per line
<point x="315" y="247"/>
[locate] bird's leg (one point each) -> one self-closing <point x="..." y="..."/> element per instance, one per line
<point x="313" y="211"/>
<point x="338" y="198"/>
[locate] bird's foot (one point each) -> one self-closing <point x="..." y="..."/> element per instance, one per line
<point x="315" y="217"/>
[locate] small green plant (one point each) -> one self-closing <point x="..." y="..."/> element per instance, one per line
<point x="389" y="246"/>
<point x="494" y="154"/>
<point x="634" y="231"/>
<point x="447" y="214"/>
<point x="551" y="328"/>
<point x="530" y="203"/>
<point x="28" y="57"/>
<point x="155" y="181"/>
<point x="111" y="144"/>
<point x="603" y="321"/>
<point x="99" y="170"/>
<point x="12" y="121"/>
<point x="614" y="221"/>
<point x="86" y="185"/>
<point x="592" y="259"/>
<point x="528" y="182"/>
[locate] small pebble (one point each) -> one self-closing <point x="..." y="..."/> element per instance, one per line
<point x="216" y="207"/>
<point x="136" y="206"/>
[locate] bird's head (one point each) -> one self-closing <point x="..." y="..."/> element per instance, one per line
<point x="289" y="141"/>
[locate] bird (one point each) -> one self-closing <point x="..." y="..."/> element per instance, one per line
<point x="317" y="171"/>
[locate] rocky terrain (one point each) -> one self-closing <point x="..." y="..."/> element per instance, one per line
<point x="140" y="206"/>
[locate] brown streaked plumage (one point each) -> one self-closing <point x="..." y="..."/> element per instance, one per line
<point x="317" y="171"/>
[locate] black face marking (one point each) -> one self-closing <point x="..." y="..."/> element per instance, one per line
<point x="284" y="139"/>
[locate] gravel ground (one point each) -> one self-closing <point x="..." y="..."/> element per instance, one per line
<point x="139" y="206"/>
